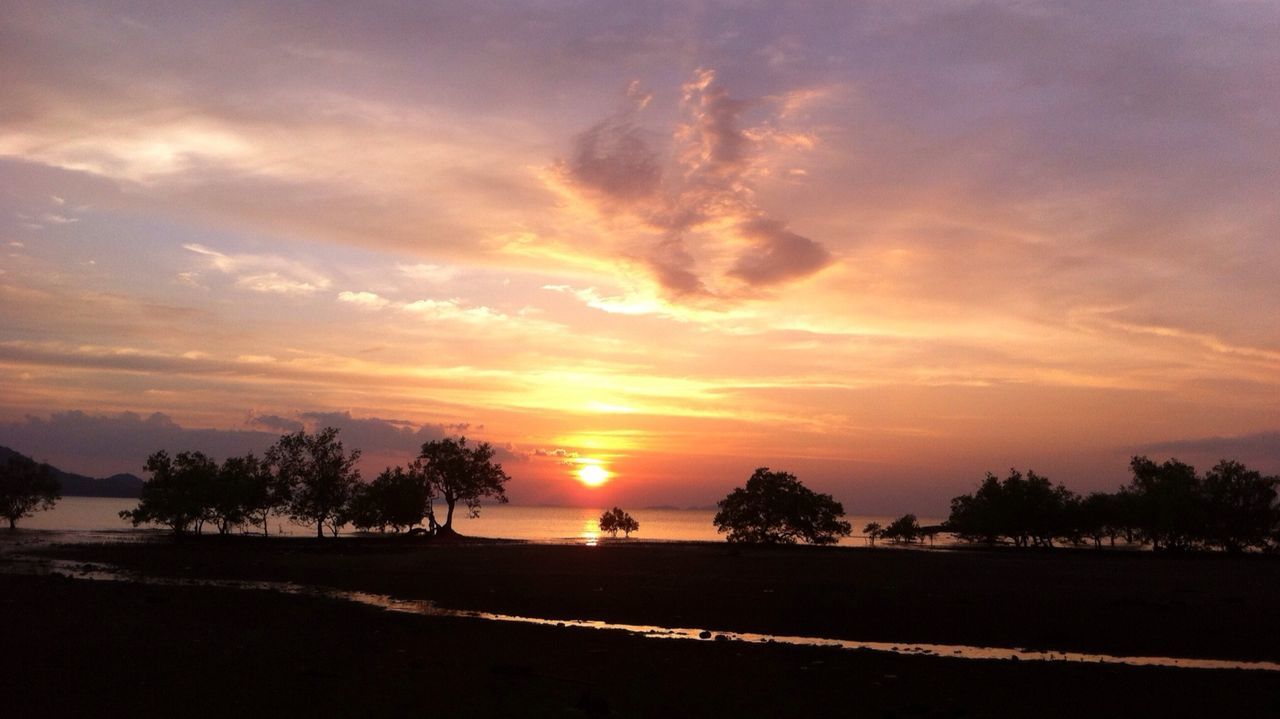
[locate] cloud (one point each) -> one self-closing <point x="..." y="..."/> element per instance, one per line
<point x="614" y="159"/>
<point x="715" y="145"/>
<point x="694" y="215"/>
<point x="777" y="255"/>
<point x="674" y="267"/>
<point x="369" y="300"/>
<point x="565" y="457"/>
<point x="376" y="435"/>
<point x="276" y="283"/>
<point x="560" y="453"/>
<point x="453" y="309"/>
<point x="100" y="444"/>
<point x="1261" y="450"/>
<point x="280" y="424"/>
<point x="395" y="440"/>
<point x="264" y="273"/>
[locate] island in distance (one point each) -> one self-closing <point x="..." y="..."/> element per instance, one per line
<point x="124" y="485"/>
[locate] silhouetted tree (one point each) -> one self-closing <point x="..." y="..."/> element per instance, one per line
<point x="775" y="508"/>
<point x="458" y="473"/>
<point x="873" y="530"/>
<point x="251" y="491"/>
<point x="1240" y="511"/>
<point x="615" y="520"/>
<point x="981" y="516"/>
<point x="227" y="494"/>
<point x="1027" y="509"/>
<point x="1167" y="502"/>
<point x="1097" y="517"/>
<point x="903" y="529"/>
<point x="26" y="486"/>
<point x="178" y="492"/>
<point x="320" y="474"/>
<point x="1126" y="516"/>
<point x="397" y="498"/>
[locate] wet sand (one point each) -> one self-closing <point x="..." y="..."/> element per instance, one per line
<point x="228" y="650"/>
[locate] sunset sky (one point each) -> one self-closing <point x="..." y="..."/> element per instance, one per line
<point x="886" y="246"/>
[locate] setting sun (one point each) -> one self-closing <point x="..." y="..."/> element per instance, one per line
<point x="593" y="475"/>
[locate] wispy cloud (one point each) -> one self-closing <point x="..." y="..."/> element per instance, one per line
<point x="264" y="273"/>
<point x="363" y="299"/>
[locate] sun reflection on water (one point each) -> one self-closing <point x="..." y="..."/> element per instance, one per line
<point x="590" y="533"/>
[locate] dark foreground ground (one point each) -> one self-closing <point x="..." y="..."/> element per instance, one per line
<point x="72" y="646"/>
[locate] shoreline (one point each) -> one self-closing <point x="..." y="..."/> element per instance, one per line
<point x="148" y="648"/>
<point x="1111" y="602"/>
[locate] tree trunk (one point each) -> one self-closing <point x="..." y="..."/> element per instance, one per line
<point x="13" y="523"/>
<point x="320" y="528"/>
<point x="448" y="518"/>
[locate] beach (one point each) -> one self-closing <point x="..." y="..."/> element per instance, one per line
<point x="299" y="654"/>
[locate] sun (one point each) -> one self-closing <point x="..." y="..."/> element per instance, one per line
<point x="593" y="475"/>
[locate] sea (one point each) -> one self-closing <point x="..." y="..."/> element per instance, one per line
<point x="574" y="525"/>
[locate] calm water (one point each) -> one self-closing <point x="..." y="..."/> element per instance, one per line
<point x="542" y="524"/>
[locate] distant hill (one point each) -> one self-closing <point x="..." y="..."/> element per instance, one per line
<point x="126" y="486"/>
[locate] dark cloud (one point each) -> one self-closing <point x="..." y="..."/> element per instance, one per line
<point x="396" y="440"/>
<point x="614" y="159"/>
<point x="98" y="444"/>
<point x="565" y="457"/>
<point x="1260" y="450"/>
<point x="376" y="435"/>
<point x="559" y="453"/>
<point x="281" y="424"/>
<point x="708" y="186"/>
<point x="673" y="267"/>
<point x="719" y="147"/>
<point x="777" y="255"/>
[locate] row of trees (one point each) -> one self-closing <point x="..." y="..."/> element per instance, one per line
<point x="313" y="480"/>
<point x="1167" y="505"/>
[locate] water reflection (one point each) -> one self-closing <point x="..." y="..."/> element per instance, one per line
<point x="590" y="534"/>
<point x="101" y="572"/>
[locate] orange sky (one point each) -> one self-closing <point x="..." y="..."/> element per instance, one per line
<point x="887" y="247"/>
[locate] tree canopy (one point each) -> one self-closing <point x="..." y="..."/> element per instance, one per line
<point x="616" y="520"/>
<point x="321" y="476"/>
<point x="903" y="529"/>
<point x="458" y="473"/>
<point x="1026" y="509"/>
<point x="398" y="498"/>
<point x="250" y="492"/>
<point x="26" y="486"/>
<point x="873" y="530"/>
<point x="1165" y="504"/>
<point x="179" y="493"/>
<point x="775" y="508"/>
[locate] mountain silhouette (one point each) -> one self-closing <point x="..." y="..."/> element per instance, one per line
<point x="77" y="485"/>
